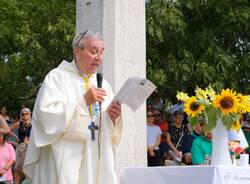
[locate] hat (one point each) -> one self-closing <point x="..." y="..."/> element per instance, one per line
<point x="233" y="135"/>
<point x="25" y="110"/>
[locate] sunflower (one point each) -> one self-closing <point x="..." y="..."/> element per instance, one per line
<point x="236" y="126"/>
<point x="192" y="107"/>
<point x="227" y="101"/>
<point x="244" y="105"/>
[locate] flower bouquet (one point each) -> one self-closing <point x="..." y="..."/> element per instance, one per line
<point x="218" y="111"/>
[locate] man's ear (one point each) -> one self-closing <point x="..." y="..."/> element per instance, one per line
<point x="77" y="52"/>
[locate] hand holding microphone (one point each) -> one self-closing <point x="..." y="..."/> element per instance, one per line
<point x="95" y="94"/>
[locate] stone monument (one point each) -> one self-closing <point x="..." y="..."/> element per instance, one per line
<point x="122" y="24"/>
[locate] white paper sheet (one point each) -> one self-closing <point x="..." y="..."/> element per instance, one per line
<point x="134" y="92"/>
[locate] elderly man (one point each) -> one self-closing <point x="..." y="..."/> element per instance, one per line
<point x="71" y="140"/>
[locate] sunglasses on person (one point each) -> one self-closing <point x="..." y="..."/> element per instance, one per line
<point x="82" y="35"/>
<point x="157" y="115"/>
<point x="150" y="116"/>
<point x="25" y="114"/>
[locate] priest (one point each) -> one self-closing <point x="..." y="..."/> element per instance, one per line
<point x="76" y="126"/>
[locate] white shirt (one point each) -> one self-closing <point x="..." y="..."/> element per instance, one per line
<point x="152" y="133"/>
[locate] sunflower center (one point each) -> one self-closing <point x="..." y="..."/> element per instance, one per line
<point x="194" y="106"/>
<point x="227" y="103"/>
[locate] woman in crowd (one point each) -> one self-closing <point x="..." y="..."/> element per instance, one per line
<point x="7" y="159"/>
<point x="23" y="135"/>
<point x="13" y="135"/>
<point x="153" y="140"/>
<point x="3" y="112"/>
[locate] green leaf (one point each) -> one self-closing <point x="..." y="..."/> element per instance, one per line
<point x="212" y="116"/>
<point x="228" y="120"/>
<point x="193" y="121"/>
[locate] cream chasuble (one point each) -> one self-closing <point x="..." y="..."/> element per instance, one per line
<point x="60" y="150"/>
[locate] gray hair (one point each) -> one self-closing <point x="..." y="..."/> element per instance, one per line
<point x="79" y="39"/>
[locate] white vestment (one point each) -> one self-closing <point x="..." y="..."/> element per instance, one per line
<point x="60" y="150"/>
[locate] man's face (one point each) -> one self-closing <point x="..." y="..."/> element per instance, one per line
<point x="90" y="58"/>
<point x="178" y="119"/>
<point x="157" y="115"/>
<point x="199" y="128"/>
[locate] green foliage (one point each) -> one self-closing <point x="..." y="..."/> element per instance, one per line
<point x="193" y="121"/>
<point x="196" y="43"/>
<point x="35" y="37"/>
<point x="211" y="114"/>
<point x="228" y="120"/>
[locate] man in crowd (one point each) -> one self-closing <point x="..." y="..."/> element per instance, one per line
<point x="72" y="137"/>
<point x="201" y="147"/>
<point x="188" y="141"/>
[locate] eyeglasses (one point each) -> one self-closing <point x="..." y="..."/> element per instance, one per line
<point x="150" y="116"/>
<point x="25" y="114"/>
<point x="157" y="115"/>
<point x="82" y="36"/>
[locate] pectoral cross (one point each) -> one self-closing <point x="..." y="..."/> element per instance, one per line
<point x="92" y="128"/>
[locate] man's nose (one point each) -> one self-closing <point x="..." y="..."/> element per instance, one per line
<point x="99" y="56"/>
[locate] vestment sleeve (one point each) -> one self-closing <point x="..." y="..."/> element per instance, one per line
<point x="115" y="129"/>
<point x="53" y="110"/>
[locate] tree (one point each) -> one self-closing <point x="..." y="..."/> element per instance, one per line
<point x="35" y="36"/>
<point x="196" y="43"/>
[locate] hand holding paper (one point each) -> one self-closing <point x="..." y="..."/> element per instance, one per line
<point x="134" y="92"/>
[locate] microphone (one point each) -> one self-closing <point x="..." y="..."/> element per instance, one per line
<point x="99" y="78"/>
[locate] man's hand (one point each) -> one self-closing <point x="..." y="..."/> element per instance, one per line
<point x="114" y="111"/>
<point x="188" y="158"/>
<point x="94" y="95"/>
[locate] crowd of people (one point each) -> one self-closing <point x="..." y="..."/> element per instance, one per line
<point x="172" y="141"/>
<point x="14" y="138"/>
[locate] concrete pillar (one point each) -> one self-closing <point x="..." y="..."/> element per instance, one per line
<point x="122" y="24"/>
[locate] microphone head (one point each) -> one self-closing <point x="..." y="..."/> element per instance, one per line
<point x="99" y="78"/>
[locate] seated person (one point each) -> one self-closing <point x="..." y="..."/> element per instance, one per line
<point x="246" y="130"/>
<point x="188" y="141"/>
<point x="175" y="134"/>
<point x="201" y="147"/>
<point x="153" y="140"/>
<point x="158" y="121"/>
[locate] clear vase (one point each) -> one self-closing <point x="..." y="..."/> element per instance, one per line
<point x="220" y="153"/>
